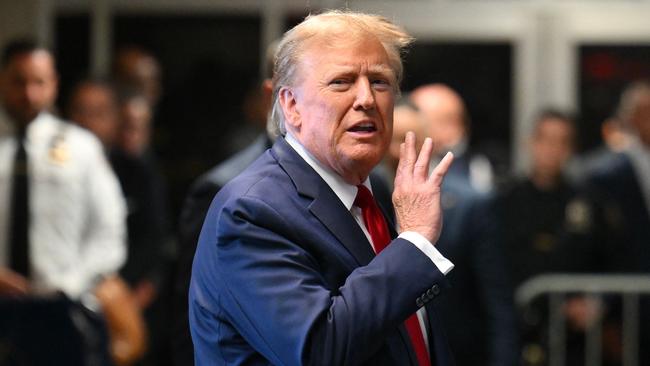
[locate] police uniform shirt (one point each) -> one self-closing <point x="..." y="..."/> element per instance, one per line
<point x="547" y="231"/>
<point x="77" y="212"/>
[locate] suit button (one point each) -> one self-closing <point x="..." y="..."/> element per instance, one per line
<point x="419" y="302"/>
<point x="430" y="294"/>
<point x="435" y="289"/>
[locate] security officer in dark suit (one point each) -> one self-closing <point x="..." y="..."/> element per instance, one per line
<point x="550" y="225"/>
<point x="624" y="179"/>
<point x="478" y="311"/>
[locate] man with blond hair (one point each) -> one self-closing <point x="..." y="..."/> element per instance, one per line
<point x="296" y="264"/>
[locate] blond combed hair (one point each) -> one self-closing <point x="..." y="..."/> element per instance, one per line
<point x="332" y="24"/>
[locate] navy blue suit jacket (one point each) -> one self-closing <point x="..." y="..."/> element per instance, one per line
<point x="478" y="311"/>
<point x="616" y="179"/>
<point x="284" y="275"/>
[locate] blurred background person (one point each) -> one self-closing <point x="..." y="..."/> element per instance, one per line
<point x="549" y="225"/>
<point x="478" y="311"/>
<point x="625" y="180"/>
<point x="94" y="104"/>
<point x="137" y="76"/>
<point x="406" y="117"/>
<point x="62" y="216"/>
<point x="134" y="136"/>
<point x="135" y="68"/>
<point x="257" y="107"/>
<point x="616" y="138"/>
<point x="449" y="127"/>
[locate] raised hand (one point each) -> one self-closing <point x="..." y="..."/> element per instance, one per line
<point x="417" y="194"/>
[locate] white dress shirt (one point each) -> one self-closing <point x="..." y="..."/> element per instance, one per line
<point x="77" y="211"/>
<point x="347" y="194"/>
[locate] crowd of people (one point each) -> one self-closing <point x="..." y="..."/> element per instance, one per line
<point x="84" y="217"/>
<point x="87" y="244"/>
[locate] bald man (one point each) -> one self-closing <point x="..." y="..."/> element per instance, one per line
<point x="406" y="117"/>
<point x="448" y="126"/>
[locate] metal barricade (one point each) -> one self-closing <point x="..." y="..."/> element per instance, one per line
<point x="557" y="286"/>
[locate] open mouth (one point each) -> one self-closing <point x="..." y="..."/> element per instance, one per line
<point x="365" y="127"/>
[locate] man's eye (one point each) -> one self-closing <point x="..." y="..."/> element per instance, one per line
<point x="380" y="83"/>
<point x="338" y="82"/>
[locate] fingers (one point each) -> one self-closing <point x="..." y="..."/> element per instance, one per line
<point x="407" y="154"/>
<point x="441" y="169"/>
<point x="417" y="167"/>
<point x="421" y="169"/>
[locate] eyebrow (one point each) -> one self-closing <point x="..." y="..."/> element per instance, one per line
<point x="373" y="69"/>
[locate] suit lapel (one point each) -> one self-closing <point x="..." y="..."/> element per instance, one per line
<point x="326" y="206"/>
<point x="329" y="210"/>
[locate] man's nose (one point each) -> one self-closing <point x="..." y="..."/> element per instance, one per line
<point x="365" y="98"/>
<point x="31" y="92"/>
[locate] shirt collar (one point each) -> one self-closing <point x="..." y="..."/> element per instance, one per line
<point x="637" y="148"/>
<point x="8" y="125"/>
<point x="344" y="191"/>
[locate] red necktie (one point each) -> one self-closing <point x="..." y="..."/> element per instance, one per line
<point x="378" y="230"/>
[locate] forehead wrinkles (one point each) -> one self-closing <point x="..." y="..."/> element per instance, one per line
<point x="311" y="55"/>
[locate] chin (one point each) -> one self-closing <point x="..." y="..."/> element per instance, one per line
<point x="366" y="162"/>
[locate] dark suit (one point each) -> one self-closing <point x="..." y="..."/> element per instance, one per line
<point x="149" y="256"/>
<point x="147" y="220"/>
<point x="616" y="180"/>
<point x="192" y="215"/>
<point x="284" y="275"/>
<point x="478" y="311"/>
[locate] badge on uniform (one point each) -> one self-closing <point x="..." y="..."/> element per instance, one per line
<point x="544" y="242"/>
<point x="578" y="216"/>
<point x="59" y="151"/>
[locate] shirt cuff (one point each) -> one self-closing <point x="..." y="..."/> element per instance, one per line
<point x="443" y="264"/>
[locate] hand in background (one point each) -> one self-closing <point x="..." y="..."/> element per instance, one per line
<point x="144" y="293"/>
<point x="12" y="284"/>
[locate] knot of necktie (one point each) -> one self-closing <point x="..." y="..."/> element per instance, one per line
<point x="372" y="218"/>
<point x="364" y="197"/>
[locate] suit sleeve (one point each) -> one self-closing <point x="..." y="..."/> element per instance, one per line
<point x="261" y="273"/>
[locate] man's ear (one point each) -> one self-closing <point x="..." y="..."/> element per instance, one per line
<point x="289" y="106"/>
